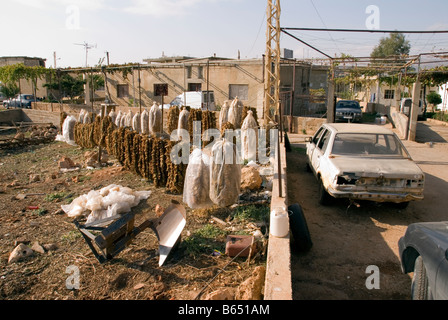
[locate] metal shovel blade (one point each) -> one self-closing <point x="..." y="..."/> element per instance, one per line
<point x="168" y="228"/>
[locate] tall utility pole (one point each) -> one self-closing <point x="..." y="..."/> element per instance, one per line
<point x="272" y="60"/>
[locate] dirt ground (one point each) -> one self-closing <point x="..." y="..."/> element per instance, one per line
<point x="134" y="274"/>
<point x="348" y="239"/>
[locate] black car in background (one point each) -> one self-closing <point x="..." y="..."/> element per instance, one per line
<point x="348" y="111"/>
<point x="424" y="251"/>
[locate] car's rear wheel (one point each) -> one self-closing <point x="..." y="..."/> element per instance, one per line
<point x="420" y="285"/>
<point x="324" y="198"/>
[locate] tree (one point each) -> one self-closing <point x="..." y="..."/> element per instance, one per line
<point x="9" y="90"/>
<point x="394" y="45"/>
<point x="434" y="98"/>
<point x="70" y="86"/>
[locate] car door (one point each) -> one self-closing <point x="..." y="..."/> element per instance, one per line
<point x="319" y="150"/>
<point x="311" y="146"/>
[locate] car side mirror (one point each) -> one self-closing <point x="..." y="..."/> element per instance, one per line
<point x="308" y="139"/>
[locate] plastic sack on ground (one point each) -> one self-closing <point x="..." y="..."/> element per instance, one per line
<point x="225" y="174"/>
<point x="197" y="181"/>
<point x="104" y="203"/>
<point x="155" y="119"/>
<point x="249" y="137"/>
<point x="68" y="128"/>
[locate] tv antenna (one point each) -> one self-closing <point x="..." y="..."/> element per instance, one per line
<point x="87" y="47"/>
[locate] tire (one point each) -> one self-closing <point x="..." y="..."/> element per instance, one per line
<point x="299" y="229"/>
<point x="420" y="285"/>
<point x="324" y="198"/>
<point x="401" y="205"/>
<point x="308" y="167"/>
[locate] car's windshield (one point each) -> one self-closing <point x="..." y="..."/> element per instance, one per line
<point x="372" y="144"/>
<point x="348" y="104"/>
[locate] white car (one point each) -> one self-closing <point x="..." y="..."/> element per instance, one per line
<point x="363" y="162"/>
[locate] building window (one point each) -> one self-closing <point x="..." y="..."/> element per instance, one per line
<point x="239" y="90"/>
<point x="189" y="72"/>
<point x="122" y="90"/>
<point x="194" y="87"/>
<point x="200" y="72"/>
<point x="389" y="94"/>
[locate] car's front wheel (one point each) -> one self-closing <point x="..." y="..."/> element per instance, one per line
<point x="420" y="285"/>
<point x="324" y="198"/>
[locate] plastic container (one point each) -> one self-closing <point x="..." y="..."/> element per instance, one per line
<point x="279" y="222"/>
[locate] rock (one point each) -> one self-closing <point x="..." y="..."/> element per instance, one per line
<point x="15" y="183"/>
<point x="21" y="241"/>
<point x="19" y="253"/>
<point x="66" y="163"/>
<point x="221" y="294"/>
<point x="159" y="210"/>
<point x="34" y="177"/>
<point x="250" y="178"/>
<point x="50" y="247"/>
<point x="139" y="286"/>
<point x="59" y="211"/>
<point x="19" y="136"/>
<point x="251" y="288"/>
<point x="37" y="247"/>
<point x="91" y="158"/>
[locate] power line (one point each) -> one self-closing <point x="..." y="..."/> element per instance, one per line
<point x="365" y="30"/>
<point x="322" y="20"/>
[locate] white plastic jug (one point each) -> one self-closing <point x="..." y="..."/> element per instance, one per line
<point x="279" y="222"/>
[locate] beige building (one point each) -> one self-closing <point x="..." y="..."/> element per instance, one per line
<point x="227" y="78"/>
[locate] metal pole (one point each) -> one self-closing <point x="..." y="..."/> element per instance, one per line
<point x="139" y="87"/>
<point x="208" y="73"/>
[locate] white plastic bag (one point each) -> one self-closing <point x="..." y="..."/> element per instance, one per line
<point x="113" y="115"/>
<point x="225" y="174"/>
<point x="136" y="123"/>
<point x="118" y="119"/>
<point x="155" y="119"/>
<point x="235" y="113"/>
<point x="223" y="114"/>
<point x="249" y="137"/>
<point x="68" y="130"/>
<point x="107" y="202"/>
<point x="128" y="119"/>
<point x="197" y="181"/>
<point x="144" y="122"/>
<point x="81" y="116"/>
<point x="183" y="120"/>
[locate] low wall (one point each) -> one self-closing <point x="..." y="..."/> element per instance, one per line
<point x="7" y="117"/>
<point x="278" y="281"/>
<point x="400" y="121"/>
<point x="303" y="125"/>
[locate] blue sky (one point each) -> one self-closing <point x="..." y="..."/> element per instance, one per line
<point x="138" y="29"/>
